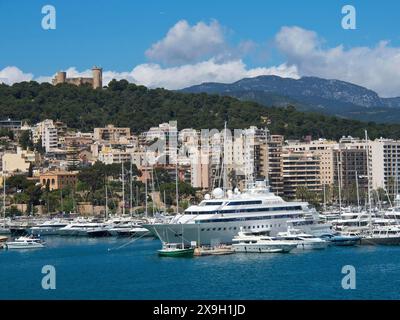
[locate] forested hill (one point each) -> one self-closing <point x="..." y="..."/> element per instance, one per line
<point x="137" y="107"/>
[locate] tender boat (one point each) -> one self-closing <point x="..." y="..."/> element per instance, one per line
<point x="303" y="240"/>
<point x="26" y="243"/>
<point x="245" y="242"/>
<point x="175" y="250"/>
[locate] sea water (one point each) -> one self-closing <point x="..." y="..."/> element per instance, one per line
<point x="112" y="269"/>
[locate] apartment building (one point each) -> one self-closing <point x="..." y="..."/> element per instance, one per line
<point x="112" y="135"/>
<point x="300" y="169"/>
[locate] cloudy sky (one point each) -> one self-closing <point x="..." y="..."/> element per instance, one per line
<point x="174" y="43"/>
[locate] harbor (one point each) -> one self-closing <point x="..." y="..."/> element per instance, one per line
<point x="93" y="268"/>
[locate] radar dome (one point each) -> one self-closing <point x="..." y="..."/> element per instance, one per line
<point x="218" y="193"/>
<point x="207" y="197"/>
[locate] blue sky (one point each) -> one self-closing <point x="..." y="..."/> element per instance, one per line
<point x="116" y="35"/>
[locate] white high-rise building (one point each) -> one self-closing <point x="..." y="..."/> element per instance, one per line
<point x="46" y="131"/>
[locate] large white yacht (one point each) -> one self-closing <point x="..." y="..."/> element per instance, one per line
<point x="219" y="217"/>
<point x="50" y="227"/>
<point x="81" y="228"/>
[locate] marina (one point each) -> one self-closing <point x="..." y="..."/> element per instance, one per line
<point x="87" y="269"/>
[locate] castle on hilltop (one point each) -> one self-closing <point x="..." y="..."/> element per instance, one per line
<point x="96" y="81"/>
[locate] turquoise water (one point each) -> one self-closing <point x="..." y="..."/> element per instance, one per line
<point x="87" y="269"/>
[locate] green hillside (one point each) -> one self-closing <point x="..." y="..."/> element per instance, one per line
<point x="139" y="108"/>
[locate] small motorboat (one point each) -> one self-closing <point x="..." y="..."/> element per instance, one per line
<point x="248" y="242"/>
<point x="344" y="240"/>
<point x="30" y="242"/>
<point x="175" y="250"/>
<point x="303" y="240"/>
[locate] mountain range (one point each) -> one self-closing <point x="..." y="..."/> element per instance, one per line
<point x="333" y="97"/>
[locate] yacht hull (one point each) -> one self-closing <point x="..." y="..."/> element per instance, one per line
<point x="45" y="231"/>
<point x="11" y="245"/>
<point x="262" y="248"/>
<point x="312" y="246"/>
<point x="390" y="241"/>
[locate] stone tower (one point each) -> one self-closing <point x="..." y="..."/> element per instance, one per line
<point x="97" y="77"/>
<point x="61" y="77"/>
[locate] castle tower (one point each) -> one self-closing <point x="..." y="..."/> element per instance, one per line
<point x="97" y="77"/>
<point x="61" y="77"/>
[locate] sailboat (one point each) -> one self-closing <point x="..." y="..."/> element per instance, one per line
<point x="176" y="249"/>
<point x="386" y="234"/>
<point x="4" y="229"/>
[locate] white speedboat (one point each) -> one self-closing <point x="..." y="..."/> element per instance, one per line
<point x="50" y="227"/>
<point x="123" y="228"/>
<point x="245" y="242"/>
<point x="25" y="243"/>
<point x="139" y="231"/>
<point x="221" y="215"/>
<point x="303" y="240"/>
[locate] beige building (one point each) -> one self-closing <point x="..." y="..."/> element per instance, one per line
<point x="112" y="135"/>
<point x="324" y="150"/>
<point x="300" y="169"/>
<point x="20" y="161"/>
<point x="96" y="81"/>
<point x="59" y="179"/>
<point x="109" y="155"/>
<point x="274" y="167"/>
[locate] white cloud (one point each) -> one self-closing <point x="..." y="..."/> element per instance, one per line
<point x="190" y="55"/>
<point x="10" y="75"/>
<point x="153" y="75"/>
<point x="377" y="68"/>
<point x="189" y="44"/>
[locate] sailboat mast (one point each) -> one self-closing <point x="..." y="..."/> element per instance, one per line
<point x="145" y="191"/>
<point x="369" y="187"/>
<point x="339" y="181"/>
<point x="225" y="185"/>
<point x="106" y="200"/>
<point x="176" y="186"/>
<point x="4" y="198"/>
<point x="358" y="193"/>
<point x="130" y="189"/>
<point x="123" y="188"/>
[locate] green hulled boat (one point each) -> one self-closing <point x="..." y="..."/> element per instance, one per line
<point x="175" y="250"/>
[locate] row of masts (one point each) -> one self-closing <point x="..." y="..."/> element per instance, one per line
<point x="123" y="211"/>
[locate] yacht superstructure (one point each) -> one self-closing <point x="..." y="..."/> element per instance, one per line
<point x="220" y="216"/>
